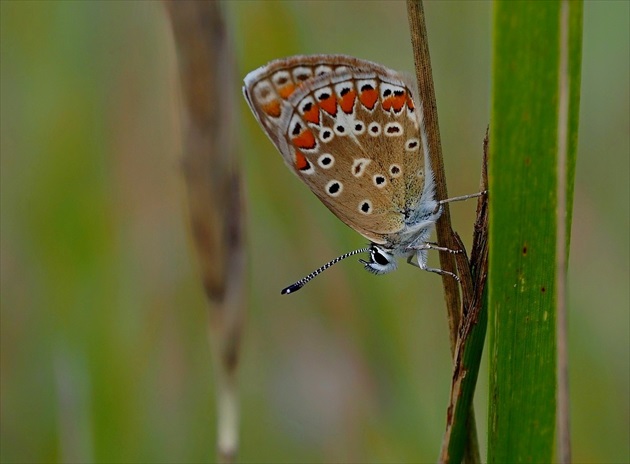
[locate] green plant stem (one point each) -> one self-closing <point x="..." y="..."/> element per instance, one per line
<point x="527" y="129"/>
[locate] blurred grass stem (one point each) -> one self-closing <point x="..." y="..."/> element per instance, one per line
<point x="214" y="189"/>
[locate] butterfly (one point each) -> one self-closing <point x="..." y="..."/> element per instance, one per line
<point x="353" y="132"/>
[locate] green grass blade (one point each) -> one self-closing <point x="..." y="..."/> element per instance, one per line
<point x="576" y="12"/>
<point x="523" y="224"/>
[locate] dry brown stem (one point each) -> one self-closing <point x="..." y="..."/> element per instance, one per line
<point x="445" y="234"/>
<point x="214" y="191"/>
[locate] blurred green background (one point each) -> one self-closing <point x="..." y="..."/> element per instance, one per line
<point x="104" y="355"/>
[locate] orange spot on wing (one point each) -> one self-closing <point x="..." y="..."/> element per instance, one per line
<point x="368" y="98"/>
<point x="329" y="105"/>
<point x="301" y="162"/>
<point x="347" y="101"/>
<point x="272" y="108"/>
<point x="410" y="104"/>
<point x="312" y="115"/>
<point x="286" y="91"/>
<point x="396" y="102"/>
<point x="305" y="140"/>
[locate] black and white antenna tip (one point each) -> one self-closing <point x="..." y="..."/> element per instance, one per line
<point x="292" y="288"/>
<point x="300" y="283"/>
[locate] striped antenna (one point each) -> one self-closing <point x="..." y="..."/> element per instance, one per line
<point x="300" y="283"/>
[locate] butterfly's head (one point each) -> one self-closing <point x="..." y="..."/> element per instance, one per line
<point x="381" y="260"/>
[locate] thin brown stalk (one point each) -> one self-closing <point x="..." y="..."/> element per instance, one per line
<point x="472" y="333"/>
<point x="214" y="192"/>
<point x="445" y="235"/>
<point x="424" y="75"/>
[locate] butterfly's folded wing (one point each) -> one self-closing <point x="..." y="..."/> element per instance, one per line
<point x="350" y="130"/>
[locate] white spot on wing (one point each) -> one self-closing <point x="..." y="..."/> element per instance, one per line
<point x="326" y="161"/>
<point x="358" y="128"/>
<point x="393" y="129"/>
<point x="323" y="92"/>
<point x="326" y="134"/>
<point x="302" y="73"/>
<point x="359" y="166"/>
<point x="341" y="129"/>
<point x="322" y="69"/>
<point x="395" y="170"/>
<point x="374" y="129"/>
<point x="365" y="206"/>
<point x="281" y="78"/>
<point x="264" y="92"/>
<point x="412" y="144"/>
<point x="334" y="188"/>
<point x="379" y="180"/>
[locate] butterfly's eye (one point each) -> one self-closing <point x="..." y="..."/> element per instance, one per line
<point x="379" y="258"/>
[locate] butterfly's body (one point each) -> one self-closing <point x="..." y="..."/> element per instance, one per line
<point x="353" y="132"/>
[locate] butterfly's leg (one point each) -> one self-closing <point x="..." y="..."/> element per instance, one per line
<point x="463" y="197"/>
<point x="431" y="246"/>
<point x="422" y="264"/>
<point x="435" y="246"/>
<point x="460" y="198"/>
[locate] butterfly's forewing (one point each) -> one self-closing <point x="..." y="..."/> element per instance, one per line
<point x="350" y="130"/>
